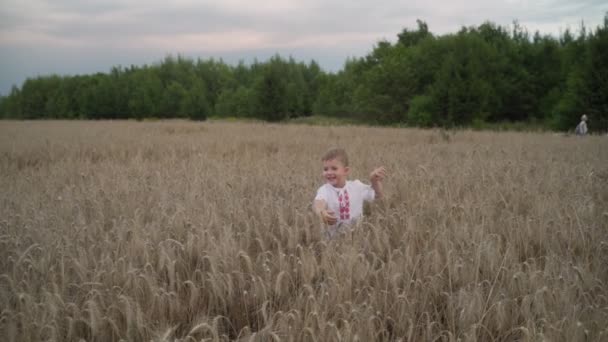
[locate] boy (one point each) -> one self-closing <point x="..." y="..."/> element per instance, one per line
<point x="339" y="202"/>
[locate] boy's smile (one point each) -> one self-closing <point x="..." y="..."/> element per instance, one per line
<point x="335" y="173"/>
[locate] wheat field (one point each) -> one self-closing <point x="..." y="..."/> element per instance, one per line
<point x="183" y="231"/>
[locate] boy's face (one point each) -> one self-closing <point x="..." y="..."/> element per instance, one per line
<point x="335" y="173"/>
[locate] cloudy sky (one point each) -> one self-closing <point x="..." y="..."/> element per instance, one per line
<point x="42" y="37"/>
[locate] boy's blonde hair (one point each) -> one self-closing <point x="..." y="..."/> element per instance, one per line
<point x="336" y="153"/>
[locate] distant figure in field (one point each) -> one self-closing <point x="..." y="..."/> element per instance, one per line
<point x="339" y="202"/>
<point x="581" y="128"/>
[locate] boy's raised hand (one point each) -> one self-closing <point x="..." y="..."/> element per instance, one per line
<point x="377" y="175"/>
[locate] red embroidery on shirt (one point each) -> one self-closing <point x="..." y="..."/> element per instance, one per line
<point x="344" y="206"/>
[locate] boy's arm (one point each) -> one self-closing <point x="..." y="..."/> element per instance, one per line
<point x="320" y="208"/>
<point x="376" y="178"/>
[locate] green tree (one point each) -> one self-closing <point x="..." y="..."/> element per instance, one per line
<point x="4" y="113"/>
<point x="270" y="91"/>
<point x="422" y="111"/>
<point x="11" y="106"/>
<point x="34" y="95"/>
<point x="217" y="76"/>
<point x="147" y="90"/>
<point x="597" y="78"/>
<point x="576" y="68"/>
<point x="235" y="102"/>
<point x="171" y="104"/>
<point x="409" y="38"/>
<point x="195" y="104"/>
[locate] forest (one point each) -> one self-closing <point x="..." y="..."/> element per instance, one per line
<point x="479" y="75"/>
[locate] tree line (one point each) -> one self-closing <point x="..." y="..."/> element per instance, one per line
<point x="478" y="75"/>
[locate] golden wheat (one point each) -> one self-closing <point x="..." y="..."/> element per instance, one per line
<point x="181" y="231"/>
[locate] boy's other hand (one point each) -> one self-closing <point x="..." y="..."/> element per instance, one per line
<point x="377" y="175"/>
<point x="328" y="217"/>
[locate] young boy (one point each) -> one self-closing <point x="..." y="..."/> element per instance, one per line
<point x="339" y="202"/>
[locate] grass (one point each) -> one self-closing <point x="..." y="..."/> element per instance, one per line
<point x="189" y="231"/>
<point x="318" y="120"/>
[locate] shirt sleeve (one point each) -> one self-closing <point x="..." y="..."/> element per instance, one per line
<point x="321" y="194"/>
<point x="367" y="192"/>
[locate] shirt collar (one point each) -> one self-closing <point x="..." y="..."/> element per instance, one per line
<point x="338" y="190"/>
